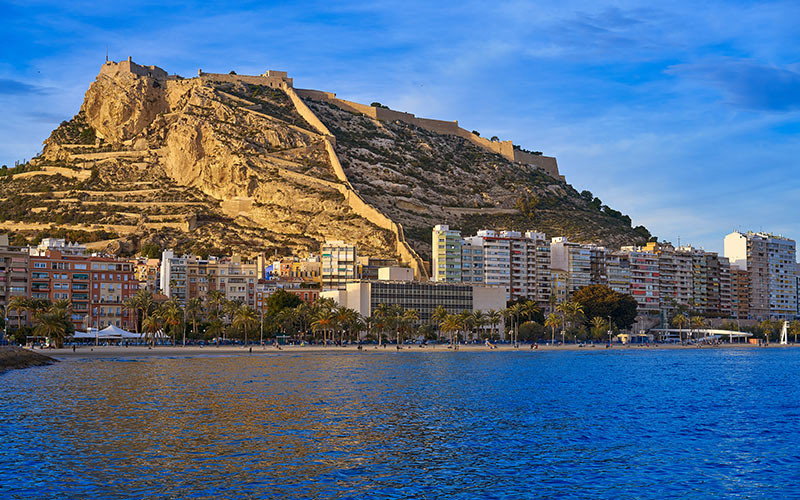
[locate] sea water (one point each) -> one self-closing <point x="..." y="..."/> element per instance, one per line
<point x="620" y="423"/>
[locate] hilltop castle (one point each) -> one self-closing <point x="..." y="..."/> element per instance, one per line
<point x="281" y="80"/>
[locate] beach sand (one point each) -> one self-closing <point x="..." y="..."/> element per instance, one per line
<point x="229" y="350"/>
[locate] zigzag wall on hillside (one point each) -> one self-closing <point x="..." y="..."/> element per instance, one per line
<point x="354" y="201"/>
<point x="504" y="148"/>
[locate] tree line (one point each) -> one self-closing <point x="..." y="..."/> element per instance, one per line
<point x="215" y="318"/>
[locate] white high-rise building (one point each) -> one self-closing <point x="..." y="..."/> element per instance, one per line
<point x="574" y="259"/>
<point x="173" y="276"/>
<point x="770" y="262"/>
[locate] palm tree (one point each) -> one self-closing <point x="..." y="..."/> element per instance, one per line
<point x="229" y="308"/>
<point x="215" y="329"/>
<point x="438" y="316"/>
<point x="144" y="302"/>
<point x="286" y="318"/>
<point x="599" y="326"/>
<point x="344" y="319"/>
<point x="450" y="325"/>
<point x="244" y="320"/>
<point x="194" y="308"/>
<point x="516" y="311"/>
<point x="19" y="304"/>
<point x="553" y="321"/>
<point x="61" y="305"/>
<point x="324" y="320"/>
<point x="465" y="322"/>
<point x="131" y="304"/>
<point x="478" y="321"/>
<point x="172" y="314"/>
<point x="696" y="323"/>
<point x="54" y="325"/>
<point x="494" y="318"/>
<point x="572" y="311"/>
<point x="151" y="325"/>
<point x="794" y="328"/>
<point x="358" y="325"/>
<point x="407" y="321"/>
<point x="680" y="320"/>
<point x="531" y="308"/>
<point x="215" y="300"/>
<point x="383" y="313"/>
<point x="302" y="314"/>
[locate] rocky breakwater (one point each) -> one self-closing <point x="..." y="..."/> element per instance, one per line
<point x="12" y="357"/>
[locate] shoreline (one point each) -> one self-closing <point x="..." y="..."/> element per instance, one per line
<point x="18" y="358"/>
<point x="99" y="352"/>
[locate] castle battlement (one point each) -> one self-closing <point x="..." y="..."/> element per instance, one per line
<point x="270" y="78"/>
<point x="112" y="68"/>
<point x="506" y="149"/>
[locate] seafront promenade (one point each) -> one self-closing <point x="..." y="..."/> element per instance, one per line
<point x="228" y="350"/>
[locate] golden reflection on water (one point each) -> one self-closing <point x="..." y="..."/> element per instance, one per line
<point x="238" y="416"/>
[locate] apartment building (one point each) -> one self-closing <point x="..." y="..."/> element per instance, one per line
<point x="446" y="254"/>
<point x="770" y="263"/>
<point x="740" y="293"/>
<point x="234" y="276"/>
<point x="97" y="287"/>
<point x="644" y="280"/>
<point x="339" y="264"/>
<point x="190" y="276"/>
<point x="308" y="269"/>
<point x="14" y="263"/>
<point x="472" y="261"/>
<point x="148" y="273"/>
<point x="515" y="261"/>
<point x="173" y="275"/>
<point x="618" y="272"/>
<point x="575" y="260"/>
<point x="59" y="245"/>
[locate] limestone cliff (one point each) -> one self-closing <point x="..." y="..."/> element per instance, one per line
<point x="151" y="158"/>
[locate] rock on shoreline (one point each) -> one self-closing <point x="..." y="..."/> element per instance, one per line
<point x="12" y="357"/>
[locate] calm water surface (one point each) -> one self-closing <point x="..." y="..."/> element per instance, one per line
<point x="629" y="423"/>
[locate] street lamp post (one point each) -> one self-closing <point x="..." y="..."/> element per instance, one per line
<point x="5" y="323"/>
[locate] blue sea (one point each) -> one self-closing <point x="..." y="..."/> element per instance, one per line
<point x="624" y="423"/>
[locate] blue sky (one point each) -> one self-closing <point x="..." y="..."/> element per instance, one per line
<point x="686" y="117"/>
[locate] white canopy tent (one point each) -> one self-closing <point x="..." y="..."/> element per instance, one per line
<point x="117" y="332"/>
<point x="112" y="332"/>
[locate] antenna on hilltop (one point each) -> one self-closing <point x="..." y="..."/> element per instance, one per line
<point x="106" y="52"/>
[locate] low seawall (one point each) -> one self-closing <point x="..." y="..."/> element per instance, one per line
<point x="12" y="358"/>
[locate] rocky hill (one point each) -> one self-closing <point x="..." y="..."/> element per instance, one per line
<point x="222" y="162"/>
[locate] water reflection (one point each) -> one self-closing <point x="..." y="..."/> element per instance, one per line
<point x="388" y="425"/>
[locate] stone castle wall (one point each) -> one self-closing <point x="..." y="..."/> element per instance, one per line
<point x="367" y="211"/>
<point x="111" y="68"/>
<point x="307" y="114"/>
<point x="276" y="82"/>
<point x="504" y="148"/>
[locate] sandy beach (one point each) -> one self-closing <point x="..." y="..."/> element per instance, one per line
<point x="229" y="350"/>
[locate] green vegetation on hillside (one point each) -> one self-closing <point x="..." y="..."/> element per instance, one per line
<point x="74" y="131"/>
